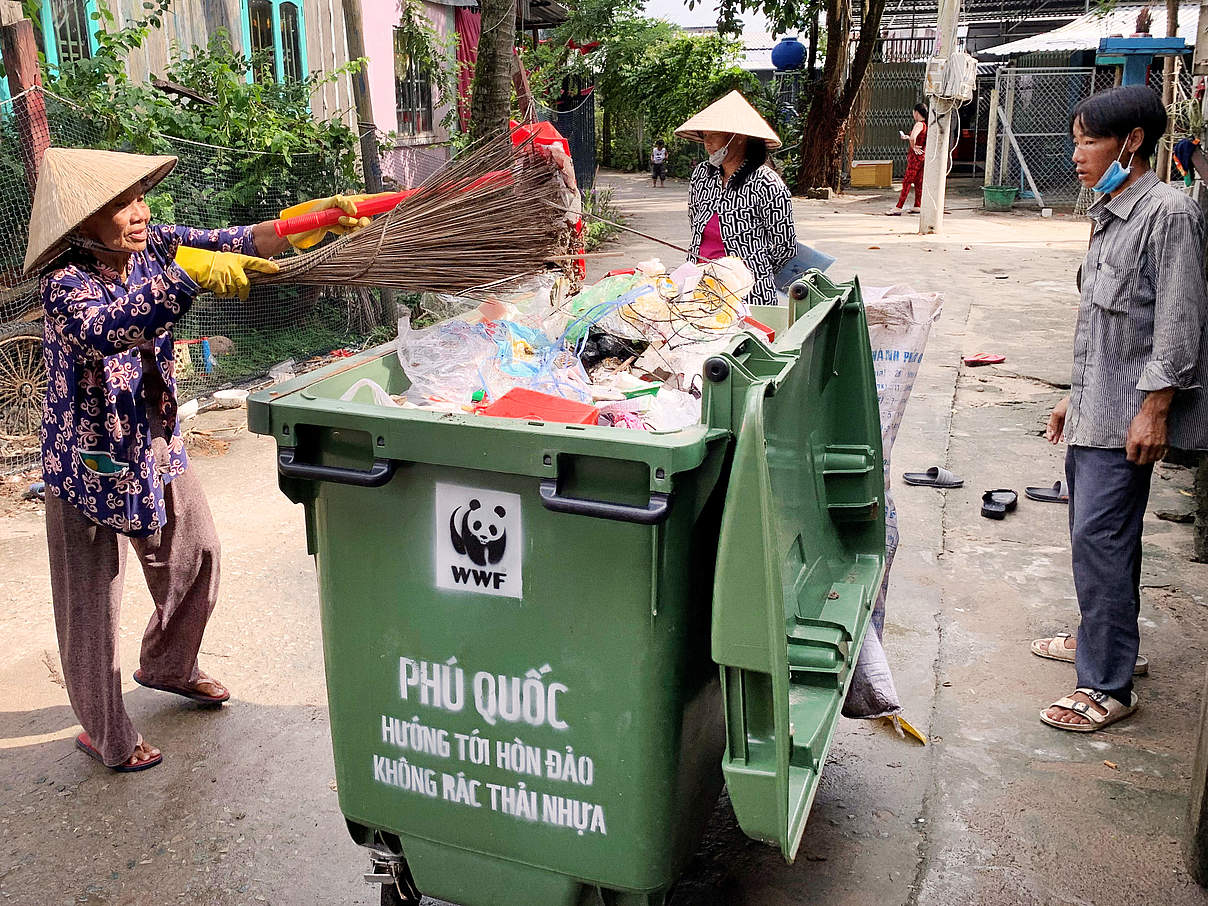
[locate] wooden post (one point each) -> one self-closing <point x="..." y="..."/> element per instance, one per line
<point x="20" y="54"/>
<point x="1168" y="70"/>
<point x="523" y="89"/>
<point x="354" y="33"/>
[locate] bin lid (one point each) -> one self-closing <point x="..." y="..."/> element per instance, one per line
<point x="801" y="552"/>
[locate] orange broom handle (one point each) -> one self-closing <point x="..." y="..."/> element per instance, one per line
<point x="304" y="223"/>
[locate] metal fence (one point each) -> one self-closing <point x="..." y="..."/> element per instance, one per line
<point x="974" y="129"/>
<point x="210" y="187"/>
<point x="893" y="90"/>
<point x="577" y="124"/>
<point x="1185" y="79"/>
<point x="1029" y="143"/>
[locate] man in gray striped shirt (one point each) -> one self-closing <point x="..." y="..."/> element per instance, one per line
<point x="1136" y="390"/>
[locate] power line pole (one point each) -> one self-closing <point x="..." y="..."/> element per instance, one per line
<point x="939" y="121"/>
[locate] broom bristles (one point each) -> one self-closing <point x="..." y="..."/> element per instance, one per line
<point x="458" y="233"/>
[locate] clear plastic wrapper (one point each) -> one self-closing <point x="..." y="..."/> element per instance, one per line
<point x="672" y="410"/>
<point x="443" y="362"/>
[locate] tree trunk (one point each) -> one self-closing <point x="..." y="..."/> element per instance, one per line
<point x="825" y="131"/>
<point x="491" y="92"/>
<point x="813" y="60"/>
<point x="822" y="152"/>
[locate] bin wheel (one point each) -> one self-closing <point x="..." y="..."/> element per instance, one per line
<point x="403" y="891"/>
<point x="22" y="387"/>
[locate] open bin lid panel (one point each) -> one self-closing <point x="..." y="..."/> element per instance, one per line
<point x="801" y="553"/>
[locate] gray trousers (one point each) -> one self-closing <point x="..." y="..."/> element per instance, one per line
<point x="1108" y="496"/>
<point x="87" y="569"/>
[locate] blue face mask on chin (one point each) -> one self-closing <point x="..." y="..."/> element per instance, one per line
<point x="1113" y="177"/>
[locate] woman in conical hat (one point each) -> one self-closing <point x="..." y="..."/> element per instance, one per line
<point x="737" y="204"/>
<point x="113" y="285"/>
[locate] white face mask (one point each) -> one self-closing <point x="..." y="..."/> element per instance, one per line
<point x="718" y="156"/>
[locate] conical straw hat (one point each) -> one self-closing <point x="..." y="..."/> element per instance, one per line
<point x="75" y="183"/>
<point x="730" y="114"/>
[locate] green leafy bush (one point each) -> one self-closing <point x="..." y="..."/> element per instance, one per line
<point x="648" y="77"/>
<point x="678" y="76"/>
<point x="284" y="154"/>
<point x="596" y="232"/>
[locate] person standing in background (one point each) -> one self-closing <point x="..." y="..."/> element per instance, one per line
<point x="737" y="205"/>
<point x="916" y="150"/>
<point x="658" y="164"/>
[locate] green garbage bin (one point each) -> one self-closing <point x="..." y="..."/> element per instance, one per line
<point x="547" y="645"/>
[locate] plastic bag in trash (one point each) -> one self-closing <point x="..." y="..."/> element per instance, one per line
<point x="442" y="362"/>
<point x="376" y="392"/>
<point x="599" y="305"/>
<point x="672" y="410"/>
<point x="527" y="357"/>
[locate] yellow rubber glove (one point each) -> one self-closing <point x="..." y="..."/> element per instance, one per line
<point x="348" y="223"/>
<point x="222" y="273"/>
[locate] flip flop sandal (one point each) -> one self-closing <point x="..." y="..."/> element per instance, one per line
<point x="1044" y="648"/>
<point x="1058" y="493"/>
<point x="935" y="477"/>
<point x="84" y="744"/>
<point x="984" y="358"/>
<point x="894" y="212"/>
<point x="997" y="503"/>
<point x="184" y="691"/>
<point x="1116" y="710"/>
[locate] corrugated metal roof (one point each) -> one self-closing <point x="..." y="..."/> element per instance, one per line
<point x="908" y="12"/>
<point x="757" y="51"/>
<point x="1085" y="31"/>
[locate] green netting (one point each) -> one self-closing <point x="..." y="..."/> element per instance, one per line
<point x="210" y="187"/>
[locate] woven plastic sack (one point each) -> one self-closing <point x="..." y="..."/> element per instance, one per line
<point x="899" y="325"/>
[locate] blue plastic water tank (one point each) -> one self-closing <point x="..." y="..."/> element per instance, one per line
<point x="788" y="54"/>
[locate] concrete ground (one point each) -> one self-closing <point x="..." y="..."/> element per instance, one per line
<point x="997" y="809"/>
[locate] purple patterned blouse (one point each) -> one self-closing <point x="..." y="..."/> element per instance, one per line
<point x="96" y="398"/>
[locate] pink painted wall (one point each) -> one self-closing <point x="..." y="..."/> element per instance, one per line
<point x="416" y="157"/>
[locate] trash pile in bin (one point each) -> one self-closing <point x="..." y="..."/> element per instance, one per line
<point x="626" y="351"/>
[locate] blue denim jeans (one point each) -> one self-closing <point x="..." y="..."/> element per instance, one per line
<point x="1108" y="496"/>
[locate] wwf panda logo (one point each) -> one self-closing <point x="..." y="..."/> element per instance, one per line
<point x="478" y="533"/>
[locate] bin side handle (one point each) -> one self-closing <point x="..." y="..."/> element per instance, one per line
<point x="652" y="513"/>
<point x="375" y="476"/>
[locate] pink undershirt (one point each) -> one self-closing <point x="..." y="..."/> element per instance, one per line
<point x="711" y="247"/>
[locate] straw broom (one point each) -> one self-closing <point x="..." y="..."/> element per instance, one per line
<point x="494" y="215"/>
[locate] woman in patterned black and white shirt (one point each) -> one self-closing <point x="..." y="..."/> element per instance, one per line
<point x="737" y="204"/>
